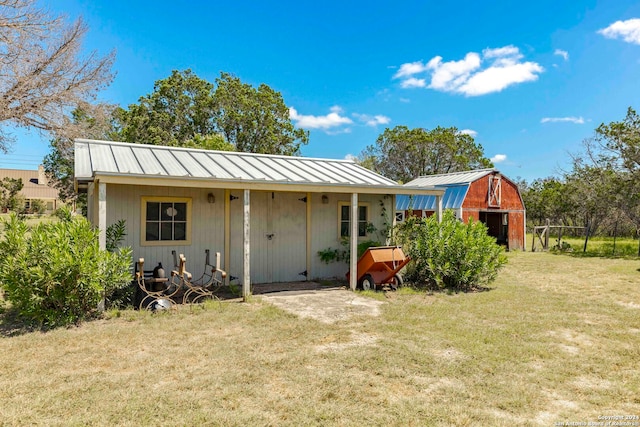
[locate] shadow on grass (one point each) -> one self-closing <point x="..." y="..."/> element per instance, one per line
<point x="588" y="254"/>
<point x="12" y="324"/>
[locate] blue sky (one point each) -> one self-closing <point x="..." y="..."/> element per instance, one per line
<point x="530" y="80"/>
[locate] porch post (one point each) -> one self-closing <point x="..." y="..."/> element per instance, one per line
<point x="353" y="237"/>
<point x="308" y="260"/>
<point x="227" y="234"/>
<point x="439" y="208"/>
<point x="246" y="275"/>
<point x="102" y="214"/>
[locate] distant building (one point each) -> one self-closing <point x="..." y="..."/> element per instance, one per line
<point x="35" y="187"/>
<point x="484" y="195"/>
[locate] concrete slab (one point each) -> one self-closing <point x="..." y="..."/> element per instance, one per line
<point x="327" y="305"/>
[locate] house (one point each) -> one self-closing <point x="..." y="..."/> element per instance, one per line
<point x="484" y="195"/>
<point x="35" y="187"/>
<point x="267" y="215"/>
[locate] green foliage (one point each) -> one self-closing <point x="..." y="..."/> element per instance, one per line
<point x="403" y="154"/>
<point x="330" y="255"/>
<point x="55" y="273"/>
<point x="255" y="120"/>
<point x="9" y="197"/>
<point x="37" y="206"/>
<point x="187" y="111"/>
<point x="449" y="255"/>
<point x="115" y="233"/>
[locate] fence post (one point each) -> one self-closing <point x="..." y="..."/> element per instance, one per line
<point x="586" y="239"/>
<point x="546" y="235"/>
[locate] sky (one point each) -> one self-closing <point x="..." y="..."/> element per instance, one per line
<point x="528" y="80"/>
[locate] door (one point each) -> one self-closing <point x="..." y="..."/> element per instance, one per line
<point x="278" y="237"/>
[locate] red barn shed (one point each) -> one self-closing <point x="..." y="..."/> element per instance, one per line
<point x="484" y="195"/>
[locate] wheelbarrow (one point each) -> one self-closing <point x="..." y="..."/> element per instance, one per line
<point x="380" y="265"/>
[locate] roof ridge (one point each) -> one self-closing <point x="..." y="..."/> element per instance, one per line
<point x="192" y="149"/>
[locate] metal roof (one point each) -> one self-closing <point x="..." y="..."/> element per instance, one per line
<point x="110" y="159"/>
<point x="453" y="198"/>
<point x="450" y="178"/>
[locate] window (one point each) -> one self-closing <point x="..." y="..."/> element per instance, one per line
<point x="363" y="219"/>
<point x="399" y="216"/>
<point x="166" y="220"/>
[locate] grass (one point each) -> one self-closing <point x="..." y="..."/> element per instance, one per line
<point x="555" y="340"/>
<point x="625" y="247"/>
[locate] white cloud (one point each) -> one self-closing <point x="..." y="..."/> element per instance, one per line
<point x="500" y="52"/>
<point x="410" y="69"/>
<point x="499" y="158"/>
<point x="576" y="120"/>
<point x="405" y="100"/>
<point x="350" y="157"/>
<point x="413" y="82"/>
<point x="372" y="120"/>
<point x="448" y="75"/>
<point x="562" y="53"/>
<point x="628" y="30"/>
<point x="331" y="120"/>
<point x="473" y="75"/>
<point x="469" y="132"/>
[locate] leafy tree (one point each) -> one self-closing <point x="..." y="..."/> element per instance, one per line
<point x="403" y="154"/>
<point x="187" y="111"/>
<point x="42" y="75"/>
<point x="93" y="121"/>
<point x="9" y="189"/>
<point x="255" y="120"/>
<point x="179" y="109"/>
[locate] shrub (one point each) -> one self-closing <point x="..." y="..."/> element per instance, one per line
<point x="37" y="206"/>
<point x="449" y="254"/>
<point x="55" y="273"/>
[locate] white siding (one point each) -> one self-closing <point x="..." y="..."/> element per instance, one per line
<point x="279" y="259"/>
<point x="207" y="231"/>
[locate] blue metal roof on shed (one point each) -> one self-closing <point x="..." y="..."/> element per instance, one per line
<point x="453" y="198"/>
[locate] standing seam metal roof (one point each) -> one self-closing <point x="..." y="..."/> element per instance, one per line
<point x="108" y="157"/>
<point x="450" y="178"/>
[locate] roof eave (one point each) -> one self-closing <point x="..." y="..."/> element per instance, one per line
<point x="238" y="184"/>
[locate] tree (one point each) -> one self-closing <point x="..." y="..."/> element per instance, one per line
<point x="42" y="75"/>
<point x="255" y="120"/>
<point x="88" y="121"/>
<point x="610" y="169"/>
<point x="403" y="154"/>
<point x="179" y="109"/>
<point x="187" y="111"/>
<point x="9" y="189"/>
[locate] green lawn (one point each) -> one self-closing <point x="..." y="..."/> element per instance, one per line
<point x="555" y="340"/>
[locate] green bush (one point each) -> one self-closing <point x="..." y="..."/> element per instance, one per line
<point x="55" y="273"/>
<point x="449" y="255"/>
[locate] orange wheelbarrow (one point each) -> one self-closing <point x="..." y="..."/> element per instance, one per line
<point x="380" y="265"/>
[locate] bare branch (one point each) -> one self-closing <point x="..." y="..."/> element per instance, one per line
<point x="43" y="75"/>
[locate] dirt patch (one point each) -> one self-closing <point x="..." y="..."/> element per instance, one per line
<point x="327" y="305"/>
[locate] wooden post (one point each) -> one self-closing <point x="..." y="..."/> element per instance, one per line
<point x="586" y="238"/>
<point x="353" y="237"/>
<point x="439" y="208"/>
<point x="227" y="233"/>
<point x="246" y="227"/>
<point x="546" y="235"/>
<point x="102" y="214"/>
<point x="308" y="277"/>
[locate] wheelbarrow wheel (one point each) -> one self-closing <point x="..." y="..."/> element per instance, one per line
<point x="367" y="283"/>
<point x="396" y="282"/>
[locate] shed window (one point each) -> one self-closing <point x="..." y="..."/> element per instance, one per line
<point x="166" y="220"/>
<point x="363" y="219"/>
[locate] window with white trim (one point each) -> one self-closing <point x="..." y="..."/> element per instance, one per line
<point x="363" y="219"/>
<point x="166" y="220"/>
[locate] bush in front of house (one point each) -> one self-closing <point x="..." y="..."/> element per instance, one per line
<point x="55" y="273"/>
<point x="450" y="254"/>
